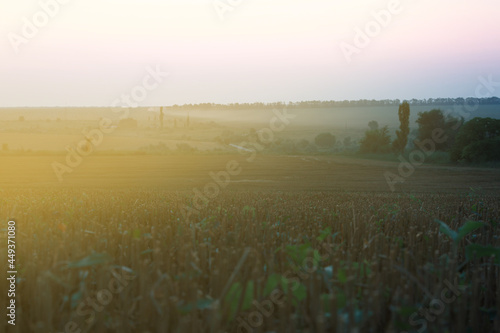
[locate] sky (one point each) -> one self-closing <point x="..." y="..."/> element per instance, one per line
<point x="165" y="52"/>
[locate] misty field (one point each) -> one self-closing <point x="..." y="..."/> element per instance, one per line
<point x="283" y="256"/>
<point x="182" y="229"/>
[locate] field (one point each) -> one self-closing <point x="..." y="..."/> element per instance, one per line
<point x="292" y="243"/>
<point x="212" y="238"/>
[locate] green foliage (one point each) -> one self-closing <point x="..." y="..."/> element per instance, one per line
<point x="399" y="144"/>
<point x="275" y="281"/>
<point x="325" y="140"/>
<point x="481" y="251"/>
<point x="249" y="211"/>
<point x="457" y="236"/>
<point x="91" y="260"/>
<point x="201" y="304"/>
<point x="234" y="295"/>
<point x="431" y="121"/>
<point x="298" y="253"/>
<point x="478" y="141"/>
<point x="324" y="233"/>
<point x="376" y="141"/>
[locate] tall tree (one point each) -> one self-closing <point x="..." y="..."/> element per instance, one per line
<point x="399" y="144"/>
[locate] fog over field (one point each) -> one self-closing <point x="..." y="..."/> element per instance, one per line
<point x="52" y="129"/>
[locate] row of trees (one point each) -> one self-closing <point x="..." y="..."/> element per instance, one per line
<point x="344" y="103"/>
<point x="477" y="140"/>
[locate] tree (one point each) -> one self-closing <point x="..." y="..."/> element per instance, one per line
<point x="325" y="140"/>
<point x="373" y="125"/>
<point x="434" y="120"/>
<point x="376" y="141"/>
<point x="399" y="144"/>
<point x="478" y="141"/>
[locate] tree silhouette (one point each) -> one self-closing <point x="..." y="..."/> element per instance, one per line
<point x="376" y="141"/>
<point x="399" y="144"/>
<point x="478" y="141"/>
<point x="434" y="120"/>
<point x="325" y="140"/>
<point x="373" y="125"/>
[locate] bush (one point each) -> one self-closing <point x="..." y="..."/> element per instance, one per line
<point x="478" y="141"/>
<point x="482" y="151"/>
<point x="325" y="140"/>
<point x="429" y="121"/>
<point x="376" y="141"/>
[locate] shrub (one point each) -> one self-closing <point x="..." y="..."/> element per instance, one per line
<point x="325" y="140"/>
<point x="376" y="141"/>
<point x="478" y="141"/>
<point x="431" y="120"/>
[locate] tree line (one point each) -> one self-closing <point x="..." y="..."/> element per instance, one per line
<point x="344" y="103"/>
<point x="476" y="140"/>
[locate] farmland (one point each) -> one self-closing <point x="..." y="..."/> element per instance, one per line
<point x="183" y="230"/>
<point x="292" y="243"/>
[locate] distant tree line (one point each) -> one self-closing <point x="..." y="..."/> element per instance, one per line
<point x="476" y="140"/>
<point x="344" y="103"/>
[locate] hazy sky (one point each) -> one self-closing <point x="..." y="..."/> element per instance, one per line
<point x="90" y="52"/>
